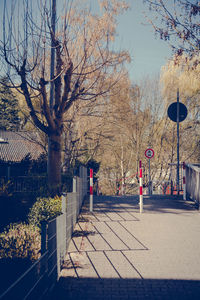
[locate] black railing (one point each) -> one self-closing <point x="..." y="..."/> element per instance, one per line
<point x="32" y="184"/>
<point x="30" y="283"/>
<point x="21" y="184"/>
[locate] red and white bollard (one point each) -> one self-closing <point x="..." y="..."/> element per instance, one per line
<point x="91" y="190"/>
<point x="141" y="191"/>
<point x="184" y="182"/>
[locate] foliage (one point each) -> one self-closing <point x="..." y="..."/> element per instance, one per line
<point x="39" y="166"/>
<point x="9" y="111"/>
<point x="135" y="118"/>
<point x="67" y="183"/>
<point x="5" y="189"/>
<point x="125" y="126"/>
<point x="20" y="241"/>
<point x="185" y="76"/>
<point x="29" y="166"/>
<point x="178" y="23"/>
<point x="45" y="209"/>
<point x="93" y="164"/>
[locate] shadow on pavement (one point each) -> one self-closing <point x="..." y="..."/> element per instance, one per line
<point x="79" y="288"/>
<point x="152" y="204"/>
<point x="89" y="288"/>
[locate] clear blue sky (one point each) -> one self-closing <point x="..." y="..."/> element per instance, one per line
<point x="148" y="52"/>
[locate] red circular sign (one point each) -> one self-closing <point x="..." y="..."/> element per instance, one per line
<point x="149" y="153"/>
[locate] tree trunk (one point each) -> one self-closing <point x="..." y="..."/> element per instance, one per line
<point x="54" y="164"/>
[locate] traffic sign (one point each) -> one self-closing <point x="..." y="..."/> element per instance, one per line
<point x="149" y="153"/>
<point x="172" y="111"/>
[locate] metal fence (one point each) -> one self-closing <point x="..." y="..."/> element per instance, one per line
<point x="193" y="183"/>
<point x="56" y="235"/>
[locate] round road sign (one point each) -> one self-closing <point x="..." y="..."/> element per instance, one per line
<point x="172" y="112"/>
<point x="149" y="153"/>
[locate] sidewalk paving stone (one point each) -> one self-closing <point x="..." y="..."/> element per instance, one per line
<point x="118" y="253"/>
<point x="110" y="236"/>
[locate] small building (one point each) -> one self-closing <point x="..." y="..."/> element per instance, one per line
<point x="18" y="147"/>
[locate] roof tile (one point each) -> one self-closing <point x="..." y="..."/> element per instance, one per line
<point x="18" y="145"/>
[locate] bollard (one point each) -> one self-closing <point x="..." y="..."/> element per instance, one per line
<point x="91" y="190"/>
<point x="141" y="191"/>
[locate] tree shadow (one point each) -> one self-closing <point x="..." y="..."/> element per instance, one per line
<point x="82" y="219"/>
<point x="82" y="233"/>
<point x="68" y="265"/>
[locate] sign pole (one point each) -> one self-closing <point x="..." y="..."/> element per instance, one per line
<point x="91" y="190"/>
<point x="149" y="153"/>
<point x="177" y="112"/>
<point x="177" y="179"/>
<point x="149" y="178"/>
<point x="141" y="191"/>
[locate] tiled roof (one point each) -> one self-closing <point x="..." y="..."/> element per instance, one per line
<point x="15" y="146"/>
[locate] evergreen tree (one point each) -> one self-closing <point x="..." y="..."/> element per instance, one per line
<point x="9" y="111"/>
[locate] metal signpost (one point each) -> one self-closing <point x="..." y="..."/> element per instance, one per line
<point x="177" y="112"/>
<point x="177" y="120"/>
<point x="149" y="153"/>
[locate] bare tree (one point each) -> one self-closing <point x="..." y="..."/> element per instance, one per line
<point x="136" y="119"/>
<point x="186" y="77"/>
<point x="178" y="23"/>
<point x="84" y="62"/>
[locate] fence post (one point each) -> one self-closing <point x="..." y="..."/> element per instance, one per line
<point x="64" y="199"/>
<point x="184" y="182"/>
<point x="141" y="192"/>
<point x="43" y="237"/>
<point x="91" y="190"/>
<point x="74" y="184"/>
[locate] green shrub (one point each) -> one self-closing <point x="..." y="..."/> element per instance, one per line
<point x="45" y="209"/>
<point x="20" y="241"/>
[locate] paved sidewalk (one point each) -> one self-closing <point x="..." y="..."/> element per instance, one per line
<point x="118" y="253"/>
